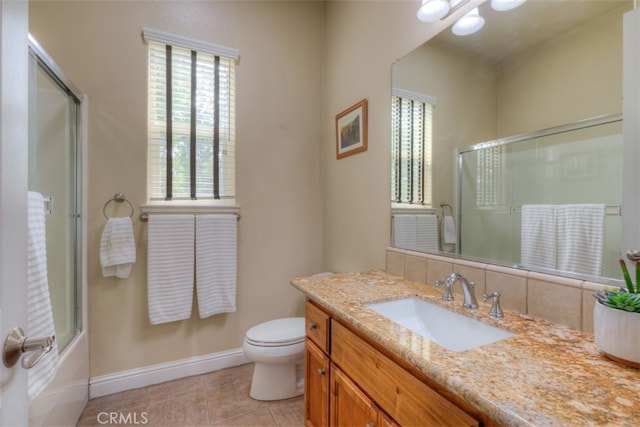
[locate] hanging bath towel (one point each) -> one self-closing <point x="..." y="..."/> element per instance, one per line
<point x="170" y="267"/>
<point x="117" y="248"/>
<point x="216" y="264"/>
<point x="39" y="311"/>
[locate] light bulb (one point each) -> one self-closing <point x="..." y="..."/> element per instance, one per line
<point x="433" y="10"/>
<point x="470" y="23"/>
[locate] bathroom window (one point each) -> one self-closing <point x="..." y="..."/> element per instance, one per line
<point x="489" y="177"/>
<point x="191" y="119"/>
<point x="411" y="135"/>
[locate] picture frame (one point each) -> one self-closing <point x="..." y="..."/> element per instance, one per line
<point x="351" y="130"/>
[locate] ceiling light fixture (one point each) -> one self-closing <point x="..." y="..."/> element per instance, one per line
<point x="470" y="23"/>
<point x="433" y="10"/>
<point x="502" y="5"/>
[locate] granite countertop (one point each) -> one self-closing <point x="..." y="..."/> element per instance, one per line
<point x="545" y="375"/>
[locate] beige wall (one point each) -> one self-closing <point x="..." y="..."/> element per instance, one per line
<point x="279" y="99"/>
<point x="571" y="77"/>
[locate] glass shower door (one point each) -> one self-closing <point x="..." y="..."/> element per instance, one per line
<point x="55" y="173"/>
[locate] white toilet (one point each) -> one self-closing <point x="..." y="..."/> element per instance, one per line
<point x="277" y="349"/>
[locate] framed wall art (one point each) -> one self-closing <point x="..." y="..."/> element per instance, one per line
<point x="351" y="130"/>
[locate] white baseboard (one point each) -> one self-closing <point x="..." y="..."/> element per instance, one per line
<point x="154" y="374"/>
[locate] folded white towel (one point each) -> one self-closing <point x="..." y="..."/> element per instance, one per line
<point x="170" y="265"/>
<point x="216" y="264"/>
<point x="538" y="244"/>
<point x="39" y="312"/>
<point x="450" y="236"/>
<point x="117" y="248"/>
<point x="581" y="238"/>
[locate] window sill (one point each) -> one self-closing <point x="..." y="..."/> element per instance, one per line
<point x="398" y="208"/>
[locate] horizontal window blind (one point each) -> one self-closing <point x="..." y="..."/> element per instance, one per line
<point x="191" y="123"/>
<point x="411" y="151"/>
<point x="489" y="177"/>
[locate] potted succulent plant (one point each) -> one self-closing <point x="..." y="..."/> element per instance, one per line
<point x="616" y="320"/>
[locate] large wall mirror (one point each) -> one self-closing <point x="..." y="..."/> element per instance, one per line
<point x="524" y="114"/>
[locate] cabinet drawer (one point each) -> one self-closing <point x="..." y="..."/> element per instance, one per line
<point x="404" y="397"/>
<point x="317" y="326"/>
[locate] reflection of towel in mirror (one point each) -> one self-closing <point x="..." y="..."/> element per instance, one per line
<point x="449" y="236"/>
<point x="404" y="231"/>
<point x="426" y="233"/>
<point x="117" y="248"/>
<point x="538" y="236"/>
<point x="581" y="238"/>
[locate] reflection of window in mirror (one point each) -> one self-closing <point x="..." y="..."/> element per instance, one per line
<point x="489" y="177"/>
<point x="411" y="142"/>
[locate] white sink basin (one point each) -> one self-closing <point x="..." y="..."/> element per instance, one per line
<point x="446" y="328"/>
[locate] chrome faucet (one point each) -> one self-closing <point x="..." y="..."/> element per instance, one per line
<point x="496" y="310"/>
<point x="468" y="288"/>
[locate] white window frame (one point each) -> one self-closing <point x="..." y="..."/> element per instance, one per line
<point x="187" y="205"/>
<point x="427" y="161"/>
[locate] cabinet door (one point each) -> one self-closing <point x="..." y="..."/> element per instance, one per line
<point x="349" y="405"/>
<point x="316" y="386"/>
<point x="386" y="421"/>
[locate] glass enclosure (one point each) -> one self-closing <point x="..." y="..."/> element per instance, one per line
<point x="55" y="172"/>
<point x="570" y="166"/>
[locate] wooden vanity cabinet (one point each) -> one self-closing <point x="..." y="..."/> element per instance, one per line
<point x="316" y="378"/>
<point x="349" y="382"/>
<point x="316" y="386"/>
<point x="350" y="406"/>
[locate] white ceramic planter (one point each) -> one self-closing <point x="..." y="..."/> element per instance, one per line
<point x="617" y="334"/>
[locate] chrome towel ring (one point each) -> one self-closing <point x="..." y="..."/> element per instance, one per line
<point x="118" y="197"/>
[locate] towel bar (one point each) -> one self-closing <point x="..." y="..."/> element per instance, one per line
<point x="144" y="217"/>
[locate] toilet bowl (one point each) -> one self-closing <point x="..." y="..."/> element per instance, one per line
<point x="277" y="349"/>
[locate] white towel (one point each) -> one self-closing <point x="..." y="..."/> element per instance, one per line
<point x="39" y="312"/>
<point x="216" y="264"/>
<point x="581" y="238"/>
<point x="170" y="265"/>
<point x="117" y="248"/>
<point x="538" y="245"/>
<point x="450" y="236"/>
<point x="404" y="231"/>
<point x="426" y="233"/>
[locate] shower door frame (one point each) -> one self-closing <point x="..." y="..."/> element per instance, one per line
<point x="62" y="402"/>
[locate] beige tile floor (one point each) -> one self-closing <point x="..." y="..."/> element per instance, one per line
<point x="216" y="399"/>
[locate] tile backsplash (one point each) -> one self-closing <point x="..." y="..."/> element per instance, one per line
<point x="554" y="298"/>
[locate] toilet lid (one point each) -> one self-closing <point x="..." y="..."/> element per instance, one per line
<point x="285" y="331"/>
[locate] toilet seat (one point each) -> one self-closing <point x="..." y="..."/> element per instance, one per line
<point x="277" y="333"/>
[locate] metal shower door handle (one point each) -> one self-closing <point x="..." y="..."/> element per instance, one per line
<point x="17" y="344"/>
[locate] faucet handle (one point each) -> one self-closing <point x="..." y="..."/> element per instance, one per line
<point x="447" y="295"/>
<point x="495" y="311"/>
